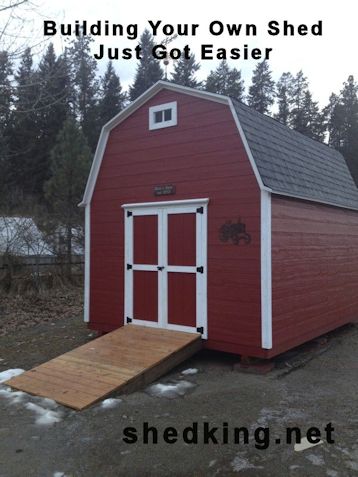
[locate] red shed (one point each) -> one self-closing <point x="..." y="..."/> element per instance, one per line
<point x="205" y="215"/>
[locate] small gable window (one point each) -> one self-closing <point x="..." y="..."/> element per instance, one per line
<point x="163" y="115"/>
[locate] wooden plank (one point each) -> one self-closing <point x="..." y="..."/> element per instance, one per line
<point x="124" y="360"/>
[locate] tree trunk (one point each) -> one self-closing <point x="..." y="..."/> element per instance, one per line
<point x="69" y="250"/>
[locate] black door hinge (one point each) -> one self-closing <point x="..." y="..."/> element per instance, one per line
<point x="128" y="320"/>
<point x="129" y="213"/>
<point x="200" y="210"/>
<point x="200" y="330"/>
<point x="129" y="266"/>
<point x="200" y="269"/>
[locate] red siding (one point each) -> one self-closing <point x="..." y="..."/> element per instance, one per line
<point x="204" y="157"/>
<point x="314" y="270"/>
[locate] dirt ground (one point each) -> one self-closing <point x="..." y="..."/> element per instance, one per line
<point x="314" y="385"/>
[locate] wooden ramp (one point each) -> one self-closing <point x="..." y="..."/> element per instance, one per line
<point x="123" y="360"/>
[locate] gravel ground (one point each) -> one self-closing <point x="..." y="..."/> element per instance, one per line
<point x="312" y="386"/>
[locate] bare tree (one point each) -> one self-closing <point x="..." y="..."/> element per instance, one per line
<point x="18" y="27"/>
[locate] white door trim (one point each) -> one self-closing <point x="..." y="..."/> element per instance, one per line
<point x="165" y="203"/>
<point x="161" y="210"/>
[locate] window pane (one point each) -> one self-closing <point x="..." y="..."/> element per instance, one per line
<point x="167" y="115"/>
<point x="158" y="116"/>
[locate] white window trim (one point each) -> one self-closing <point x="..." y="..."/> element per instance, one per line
<point x="162" y="107"/>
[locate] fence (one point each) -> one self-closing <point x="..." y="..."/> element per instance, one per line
<point x="46" y="271"/>
<point x="39" y="261"/>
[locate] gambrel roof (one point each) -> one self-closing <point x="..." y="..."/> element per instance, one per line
<point x="284" y="161"/>
<point x="294" y="164"/>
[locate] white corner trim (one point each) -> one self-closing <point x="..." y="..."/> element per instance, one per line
<point x="266" y="271"/>
<point x="87" y="262"/>
<point x="163" y="107"/>
<point x="96" y="164"/>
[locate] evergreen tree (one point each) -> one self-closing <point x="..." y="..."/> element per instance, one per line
<point x="52" y="109"/>
<point x="305" y="115"/>
<point x="6" y="95"/>
<point x="261" y="92"/>
<point x="336" y="119"/>
<point x="24" y="136"/>
<point x="313" y="124"/>
<point x="6" y="99"/>
<point x="299" y="90"/>
<point x="112" y="98"/>
<point x="284" y="98"/>
<point x="149" y="70"/>
<point x="184" y="72"/>
<point x="227" y="81"/>
<point x="85" y="87"/>
<point x="343" y="124"/>
<point x="70" y="163"/>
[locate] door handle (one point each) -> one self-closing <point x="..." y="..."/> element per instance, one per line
<point x="160" y="268"/>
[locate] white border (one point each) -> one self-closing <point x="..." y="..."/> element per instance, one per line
<point x="266" y="271"/>
<point x="162" y="210"/>
<point x="87" y="263"/>
<point x="163" y="124"/>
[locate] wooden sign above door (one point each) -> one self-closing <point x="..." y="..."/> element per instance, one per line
<point x="164" y="190"/>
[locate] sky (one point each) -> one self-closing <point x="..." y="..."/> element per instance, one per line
<point x="326" y="60"/>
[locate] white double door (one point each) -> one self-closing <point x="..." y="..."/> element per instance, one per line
<point x="166" y="265"/>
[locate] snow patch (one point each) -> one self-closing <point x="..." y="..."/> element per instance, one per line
<point x="241" y="463"/>
<point x="14" y="396"/>
<point x="45" y="417"/>
<point x="59" y="474"/>
<point x="305" y="444"/>
<point x="352" y="465"/>
<point x="110" y="403"/>
<point x="315" y="459"/>
<point x="170" y="390"/>
<point x="49" y="403"/>
<point x="189" y="371"/>
<point x="331" y="473"/>
<point x="10" y="373"/>
<point x="212" y="462"/>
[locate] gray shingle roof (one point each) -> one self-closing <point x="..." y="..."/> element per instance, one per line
<point x="291" y="163"/>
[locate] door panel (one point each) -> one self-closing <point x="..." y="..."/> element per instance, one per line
<point x="145" y="238"/>
<point x="182" y="299"/>
<point x="182" y="239"/>
<point x="145" y="295"/>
